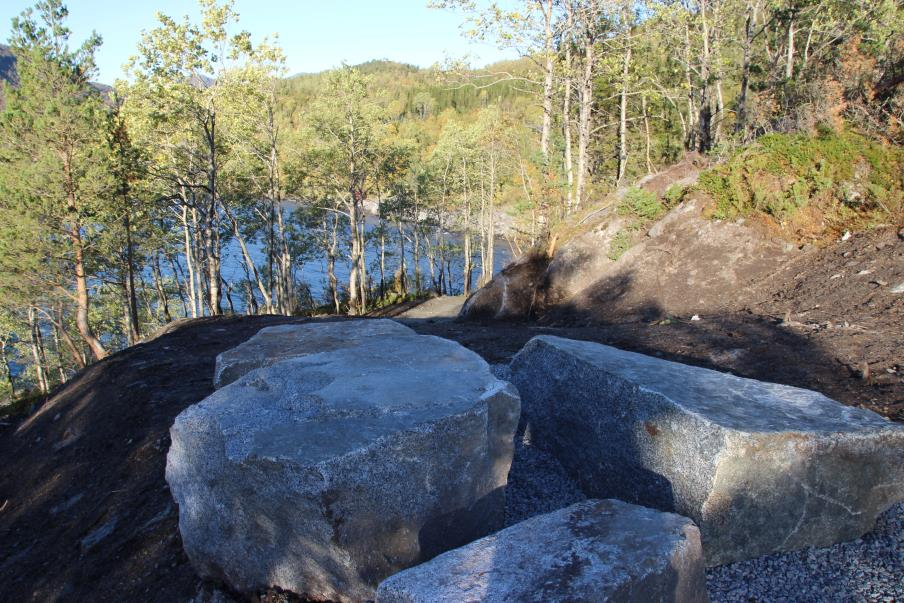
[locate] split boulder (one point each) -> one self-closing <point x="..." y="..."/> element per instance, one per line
<point x="759" y="467"/>
<point x="325" y="473"/>
<point x="597" y="550"/>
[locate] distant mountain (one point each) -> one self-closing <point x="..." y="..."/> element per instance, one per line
<point x="8" y="65"/>
<point x="8" y="70"/>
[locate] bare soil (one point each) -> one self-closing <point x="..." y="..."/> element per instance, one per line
<point x="85" y="513"/>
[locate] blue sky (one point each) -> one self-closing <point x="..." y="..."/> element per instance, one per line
<point x="315" y="35"/>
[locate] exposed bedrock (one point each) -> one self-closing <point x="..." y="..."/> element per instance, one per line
<point x="325" y="473"/>
<point x="759" y="467"/>
<point x="596" y="550"/>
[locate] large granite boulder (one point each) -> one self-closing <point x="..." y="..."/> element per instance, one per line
<point x="324" y="474"/>
<point x="596" y="550"/>
<point x="759" y="467"/>
<point x="273" y="344"/>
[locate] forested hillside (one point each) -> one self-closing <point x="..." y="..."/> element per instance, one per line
<point x="208" y="178"/>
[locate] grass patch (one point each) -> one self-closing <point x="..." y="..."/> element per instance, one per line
<point x="853" y="179"/>
<point x="621" y="243"/>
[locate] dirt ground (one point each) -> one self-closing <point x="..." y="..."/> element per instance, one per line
<point x="85" y="513"/>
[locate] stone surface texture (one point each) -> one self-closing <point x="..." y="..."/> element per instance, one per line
<point x="759" y="467"/>
<point x="325" y="473"/>
<point x="274" y="344"/>
<point x="596" y="550"/>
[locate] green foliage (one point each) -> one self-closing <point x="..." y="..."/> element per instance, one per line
<point x="641" y="204"/>
<point x="674" y="195"/>
<point x="621" y="243"/>
<point x="782" y="173"/>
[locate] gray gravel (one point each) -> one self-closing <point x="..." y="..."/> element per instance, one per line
<point x="867" y="569"/>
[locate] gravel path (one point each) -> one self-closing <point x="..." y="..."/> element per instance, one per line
<point x="867" y="569"/>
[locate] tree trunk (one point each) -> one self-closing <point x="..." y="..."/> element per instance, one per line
<point x="692" y="137"/>
<point x="789" y="60"/>
<point x="162" y="298"/>
<point x="179" y="277"/>
<point x="749" y="23"/>
<point x="491" y="227"/>
<point x="286" y="277"/>
<point x="58" y="352"/>
<point x="250" y="266"/>
<point x="403" y="269"/>
<point x="566" y="125"/>
<point x="623" y="109"/>
<point x="416" y="251"/>
<point x="354" y="293"/>
<point x="36" y="352"/>
<point x="82" y="301"/>
<point x="585" y="120"/>
<point x="382" y="259"/>
<point x="331" y="263"/>
<point x="189" y="263"/>
<point x="468" y="253"/>
<point x="77" y="356"/>
<point x="646" y="133"/>
<point x="211" y="222"/>
<point x="547" y="82"/>
<point x="134" y="329"/>
<point x="706" y="112"/>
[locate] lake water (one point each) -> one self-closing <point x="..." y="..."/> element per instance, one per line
<point x="314" y="271"/>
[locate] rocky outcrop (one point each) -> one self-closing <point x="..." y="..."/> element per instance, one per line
<point x="274" y="344"/>
<point x="597" y="550"/>
<point x="325" y="473"/>
<point x="686" y="264"/>
<point x="511" y="294"/>
<point x="759" y="467"/>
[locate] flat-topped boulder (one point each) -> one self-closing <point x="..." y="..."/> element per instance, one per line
<point x="325" y="473"/>
<point x="596" y="550"/>
<point x="274" y="344"/>
<point x="759" y="467"/>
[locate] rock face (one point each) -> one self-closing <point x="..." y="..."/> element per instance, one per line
<point x="597" y="550"/>
<point x="323" y="474"/>
<point x="273" y="344"/>
<point x="759" y="467"/>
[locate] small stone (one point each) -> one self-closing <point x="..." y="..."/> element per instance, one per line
<point x="98" y="534"/>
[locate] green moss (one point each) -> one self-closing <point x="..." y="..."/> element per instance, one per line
<point x="782" y="173"/>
